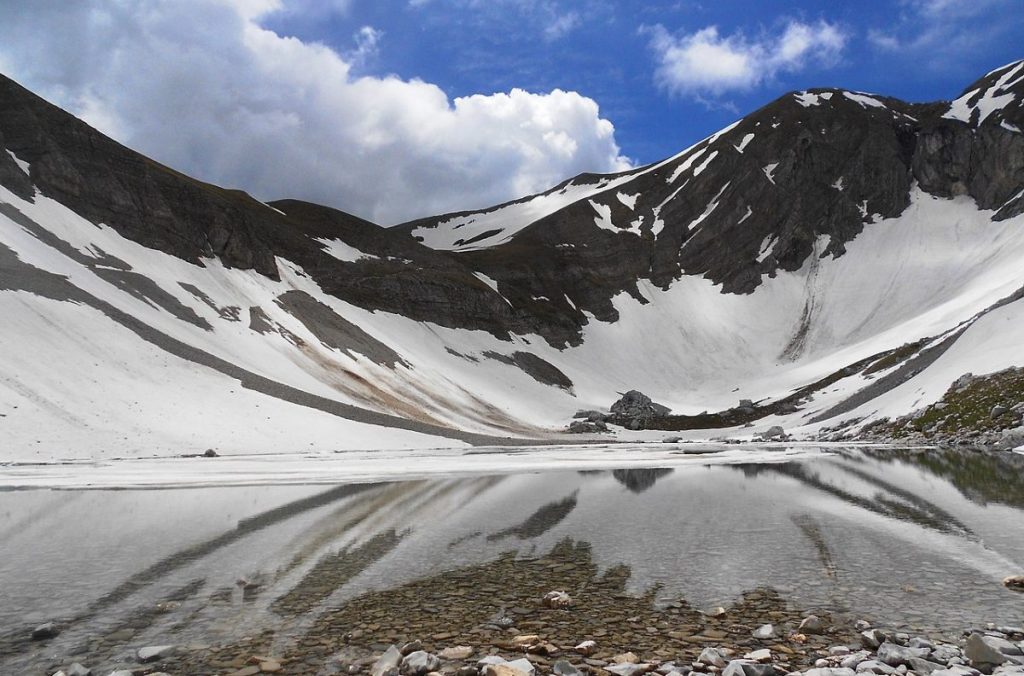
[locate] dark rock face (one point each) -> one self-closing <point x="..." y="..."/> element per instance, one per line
<point x="535" y="367"/>
<point x="634" y="404"/>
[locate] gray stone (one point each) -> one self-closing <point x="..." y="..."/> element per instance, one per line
<point x="629" y="669"/>
<point x="875" y="667"/>
<point x="564" y="668"/>
<point x="918" y="642"/>
<point x="762" y="655"/>
<point x="764" y="632"/>
<point x="984" y="650"/>
<point x="872" y="638"/>
<point x="812" y="624"/>
<point x="154" y="653"/>
<point x="748" y="668"/>
<point x="895" y="655"/>
<point x="774" y="432"/>
<point x="388" y="663"/>
<point x="922" y="666"/>
<point x="419" y="663"/>
<point x="853" y="660"/>
<point x="634" y="404"/>
<point x="522" y="664"/>
<point x="839" y="651"/>
<point x="77" y="669"/>
<point x="713" y="657"/>
<point x="491" y="659"/>
<point x="45" y="631"/>
<point x="944" y="652"/>
<point x="411" y="647"/>
<point x="841" y="671"/>
<point x="587" y="427"/>
<point x="998" y="410"/>
<point x="459" y="652"/>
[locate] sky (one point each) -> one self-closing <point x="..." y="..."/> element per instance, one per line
<point x="399" y="109"/>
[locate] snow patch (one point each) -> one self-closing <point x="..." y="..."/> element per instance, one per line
<point x="628" y="200"/>
<point x="744" y="142"/>
<point x="807" y="99"/>
<point x="769" y="171"/>
<point x="705" y="163"/>
<point x="342" y="251"/>
<point x="962" y="109"/>
<point x="864" y="100"/>
<point x="838" y="185"/>
<point x="22" y="164"/>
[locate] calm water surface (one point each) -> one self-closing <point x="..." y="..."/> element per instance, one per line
<point x="911" y="539"/>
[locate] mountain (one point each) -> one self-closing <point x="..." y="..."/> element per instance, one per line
<point x="837" y="258"/>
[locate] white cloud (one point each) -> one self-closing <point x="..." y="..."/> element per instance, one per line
<point x="561" y="25"/>
<point x="707" y="62"/>
<point x="942" y="31"/>
<point x="201" y="86"/>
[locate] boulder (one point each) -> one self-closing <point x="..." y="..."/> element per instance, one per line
<point x="712" y="657"/>
<point x="762" y="655"/>
<point x="833" y="671"/>
<point x="774" y="432"/>
<point x="872" y="638"/>
<point x="984" y="650"/>
<point x="388" y="663"/>
<point x="895" y="655"/>
<point x="629" y="669"/>
<point x="587" y="427"/>
<point x="45" y="631"/>
<point x="410" y="647"/>
<point x="812" y="624"/>
<point x="419" y="663"/>
<point x="764" y="632"/>
<point x="564" y="668"/>
<point x="748" y="668"/>
<point x="503" y="669"/>
<point x="635" y="404"/>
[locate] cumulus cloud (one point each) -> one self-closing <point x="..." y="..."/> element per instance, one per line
<point x="202" y="86"/>
<point x="708" y="63"/>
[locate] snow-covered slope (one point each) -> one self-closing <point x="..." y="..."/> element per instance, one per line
<point x="834" y="257"/>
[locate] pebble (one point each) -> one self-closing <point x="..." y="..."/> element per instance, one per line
<point x="154" y="653"/>
<point x="764" y="632"/>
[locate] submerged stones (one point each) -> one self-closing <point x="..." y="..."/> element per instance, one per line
<point x="45" y="631"/>
<point x="812" y="624"/>
<point x="556" y="599"/>
<point x="155" y="653"/>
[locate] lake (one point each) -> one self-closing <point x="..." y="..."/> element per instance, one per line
<point x="915" y="540"/>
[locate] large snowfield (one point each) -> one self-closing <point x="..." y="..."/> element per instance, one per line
<point x="79" y="384"/>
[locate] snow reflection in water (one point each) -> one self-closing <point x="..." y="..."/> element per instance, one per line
<point x="914" y="539"/>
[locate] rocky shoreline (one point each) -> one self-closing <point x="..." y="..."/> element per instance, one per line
<point x="555" y="614"/>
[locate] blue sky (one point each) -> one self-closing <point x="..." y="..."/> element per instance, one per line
<point x="395" y="109"/>
<point x="918" y="51"/>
